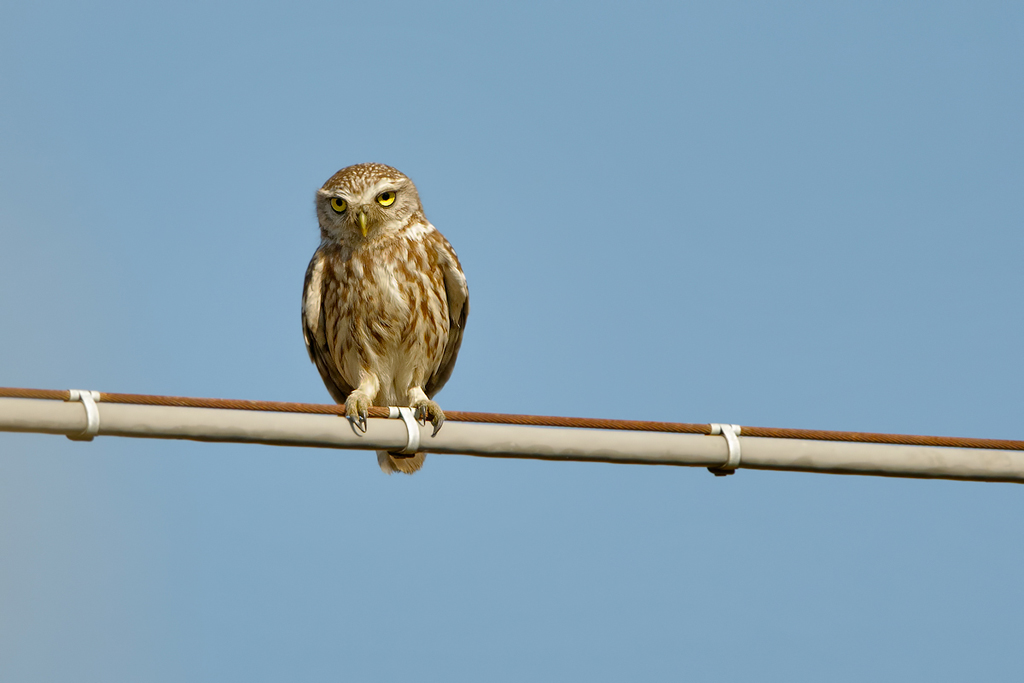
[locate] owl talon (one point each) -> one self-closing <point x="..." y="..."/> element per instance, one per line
<point x="429" y="411"/>
<point x="358" y="423"/>
<point x="357" y="410"/>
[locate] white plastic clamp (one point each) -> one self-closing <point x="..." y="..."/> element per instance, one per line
<point x="731" y="434"/>
<point x="411" y="426"/>
<point x="92" y="413"/>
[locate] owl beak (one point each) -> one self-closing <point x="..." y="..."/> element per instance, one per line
<point x="362" y="222"/>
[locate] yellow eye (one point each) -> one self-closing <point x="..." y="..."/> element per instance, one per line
<point x="386" y="198"/>
<point x="339" y="205"/>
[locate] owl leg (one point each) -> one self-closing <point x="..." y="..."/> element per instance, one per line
<point x="357" y="405"/>
<point x="425" y="410"/>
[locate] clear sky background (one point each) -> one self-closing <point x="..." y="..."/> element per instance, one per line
<point x="773" y="214"/>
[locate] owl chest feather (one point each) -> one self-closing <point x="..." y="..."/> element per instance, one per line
<point x="390" y="314"/>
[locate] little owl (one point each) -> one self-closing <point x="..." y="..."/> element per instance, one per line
<point x="385" y="300"/>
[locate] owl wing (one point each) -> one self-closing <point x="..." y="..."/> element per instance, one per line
<point x="314" y="329"/>
<point x="457" y="293"/>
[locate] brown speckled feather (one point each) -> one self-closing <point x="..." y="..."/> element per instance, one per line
<point x="457" y="295"/>
<point x="314" y="327"/>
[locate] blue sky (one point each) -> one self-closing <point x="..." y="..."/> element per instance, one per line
<point x="774" y="214"/>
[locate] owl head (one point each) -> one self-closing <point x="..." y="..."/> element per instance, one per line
<point x="364" y="202"/>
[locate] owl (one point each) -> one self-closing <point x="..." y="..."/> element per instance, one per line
<point x="385" y="300"/>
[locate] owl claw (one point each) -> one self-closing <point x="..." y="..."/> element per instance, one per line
<point x="429" y="411"/>
<point x="357" y="410"/>
<point x="358" y="422"/>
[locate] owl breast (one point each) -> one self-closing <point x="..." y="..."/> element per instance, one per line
<point x="390" y="315"/>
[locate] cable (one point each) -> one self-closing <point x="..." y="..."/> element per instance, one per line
<point x="532" y="420"/>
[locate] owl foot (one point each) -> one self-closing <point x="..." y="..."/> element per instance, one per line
<point x="429" y="411"/>
<point x="357" y="409"/>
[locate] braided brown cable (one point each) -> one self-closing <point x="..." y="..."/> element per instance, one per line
<point x="54" y="394"/>
<point x="577" y="422"/>
<point x="532" y="420"/>
<point x="872" y="437"/>
<point x="233" y="404"/>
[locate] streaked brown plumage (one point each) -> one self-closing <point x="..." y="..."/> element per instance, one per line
<point x="385" y="300"/>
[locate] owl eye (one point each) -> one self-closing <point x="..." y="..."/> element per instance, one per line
<point x="339" y="205"/>
<point x="386" y="198"/>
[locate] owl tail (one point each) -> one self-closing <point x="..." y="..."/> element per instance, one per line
<point x="390" y="464"/>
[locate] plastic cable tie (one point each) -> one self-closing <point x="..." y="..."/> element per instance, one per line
<point x="411" y="426"/>
<point x="92" y="413"/>
<point x="731" y="434"/>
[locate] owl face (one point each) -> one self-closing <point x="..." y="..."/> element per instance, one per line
<point x="365" y="201"/>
